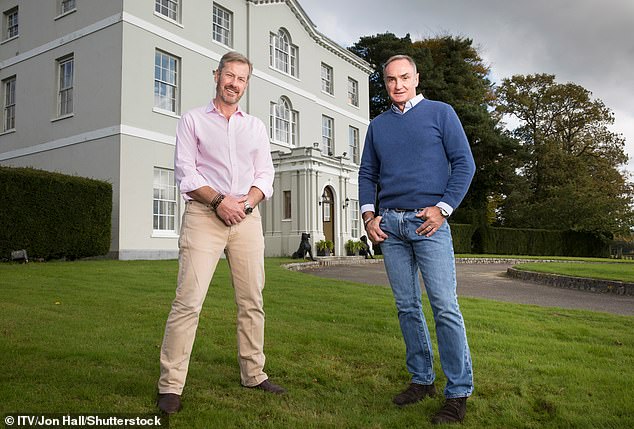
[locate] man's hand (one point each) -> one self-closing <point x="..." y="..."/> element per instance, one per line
<point x="231" y="210"/>
<point x="433" y="220"/>
<point x="375" y="233"/>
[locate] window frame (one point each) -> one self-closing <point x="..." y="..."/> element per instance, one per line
<point x="353" y="92"/>
<point x="282" y="113"/>
<point x="67" y="6"/>
<point x="228" y="28"/>
<point x="161" y="202"/>
<point x="11" y="24"/>
<point x="288" y="205"/>
<point x="164" y="10"/>
<point x="353" y="143"/>
<point x="327" y="135"/>
<point x="327" y="79"/>
<point x="173" y="99"/>
<point x="8" y="97"/>
<point x="354" y="218"/>
<point x="65" y="87"/>
<point x="283" y="55"/>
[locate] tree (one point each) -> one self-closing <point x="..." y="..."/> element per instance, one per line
<point x="452" y="71"/>
<point x="571" y="177"/>
<point x="376" y="50"/>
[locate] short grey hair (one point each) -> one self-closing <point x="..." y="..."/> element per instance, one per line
<point x="231" y="57"/>
<point x="399" y="57"/>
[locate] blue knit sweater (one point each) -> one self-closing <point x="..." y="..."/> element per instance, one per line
<point x="418" y="159"/>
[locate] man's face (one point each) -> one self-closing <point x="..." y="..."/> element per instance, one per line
<point x="400" y="81"/>
<point x="232" y="82"/>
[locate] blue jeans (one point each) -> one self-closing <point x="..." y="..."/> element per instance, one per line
<point x="404" y="253"/>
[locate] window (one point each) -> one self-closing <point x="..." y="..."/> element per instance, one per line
<point x="164" y="200"/>
<point x="327" y="84"/>
<point x="287" y="204"/>
<point x="66" y="70"/>
<point x="167" y="8"/>
<point x="354" y="217"/>
<point x="283" y="122"/>
<point x="327" y="134"/>
<point x="222" y="25"/>
<point x="9" y="103"/>
<point x="11" y="23"/>
<point x="353" y="137"/>
<point x="165" y="82"/>
<point x="353" y="92"/>
<point x="282" y="53"/>
<point x="66" y="6"/>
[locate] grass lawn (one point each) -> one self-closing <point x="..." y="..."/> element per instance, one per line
<point x="608" y="271"/>
<point x="84" y="337"/>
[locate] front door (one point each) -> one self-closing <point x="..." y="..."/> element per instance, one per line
<point x="328" y="213"/>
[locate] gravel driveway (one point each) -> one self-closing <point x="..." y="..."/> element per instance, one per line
<point x="489" y="281"/>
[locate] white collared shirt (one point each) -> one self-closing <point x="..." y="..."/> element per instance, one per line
<point x="409" y="104"/>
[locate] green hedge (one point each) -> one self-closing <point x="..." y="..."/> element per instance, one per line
<point x="461" y="235"/>
<point x="53" y="215"/>
<point x="537" y="242"/>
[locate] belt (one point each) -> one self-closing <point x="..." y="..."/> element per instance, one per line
<point x="407" y="210"/>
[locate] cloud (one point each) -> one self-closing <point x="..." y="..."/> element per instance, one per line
<point x="582" y="41"/>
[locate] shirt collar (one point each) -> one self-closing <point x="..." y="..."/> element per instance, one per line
<point x="409" y="104"/>
<point x="211" y="107"/>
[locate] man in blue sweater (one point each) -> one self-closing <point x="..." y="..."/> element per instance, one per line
<point x="418" y="155"/>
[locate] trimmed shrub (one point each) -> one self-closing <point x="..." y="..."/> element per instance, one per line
<point x="53" y="215"/>
<point x="461" y="235"/>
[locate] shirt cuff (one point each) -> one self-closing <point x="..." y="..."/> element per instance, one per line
<point x="367" y="208"/>
<point x="263" y="186"/>
<point x="446" y="207"/>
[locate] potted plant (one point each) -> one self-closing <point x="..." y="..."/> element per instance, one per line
<point x="350" y="247"/>
<point x="323" y="249"/>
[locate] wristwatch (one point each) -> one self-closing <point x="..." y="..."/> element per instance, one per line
<point x="247" y="208"/>
<point x="443" y="212"/>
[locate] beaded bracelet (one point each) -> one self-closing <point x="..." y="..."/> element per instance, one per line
<point x="213" y="205"/>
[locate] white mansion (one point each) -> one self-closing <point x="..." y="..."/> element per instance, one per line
<point x="95" y="88"/>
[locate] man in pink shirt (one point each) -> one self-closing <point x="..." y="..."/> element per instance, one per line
<point x="223" y="166"/>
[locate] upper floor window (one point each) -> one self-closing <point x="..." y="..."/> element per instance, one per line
<point x="11" y="23"/>
<point x="166" y="82"/>
<point x="66" y="71"/>
<point x="167" y="8"/>
<point x="9" y="103"/>
<point x="222" y="25"/>
<point x="353" y="92"/>
<point x="327" y="84"/>
<point x="327" y="134"/>
<point x="353" y="136"/>
<point x="283" y="122"/>
<point x="66" y="6"/>
<point x="164" y="200"/>
<point x="282" y="53"/>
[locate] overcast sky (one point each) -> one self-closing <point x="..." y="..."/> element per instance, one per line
<point x="588" y="42"/>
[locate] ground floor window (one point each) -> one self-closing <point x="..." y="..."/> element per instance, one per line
<point x="164" y="200"/>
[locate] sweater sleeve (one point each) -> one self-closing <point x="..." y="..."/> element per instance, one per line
<point x="368" y="171"/>
<point x="462" y="165"/>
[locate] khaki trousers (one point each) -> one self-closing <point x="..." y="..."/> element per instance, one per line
<point x="203" y="239"/>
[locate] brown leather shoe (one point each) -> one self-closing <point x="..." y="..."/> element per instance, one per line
<point x="169" y="403"/>
<point x="414" y="393"/>
<point x="453" y="411"/>
<point x="267" y="386"/>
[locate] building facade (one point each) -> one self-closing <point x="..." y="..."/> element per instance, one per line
<point x="95" y="88"/>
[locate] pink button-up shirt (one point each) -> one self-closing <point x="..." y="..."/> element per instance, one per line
<point x="228" y="155"/>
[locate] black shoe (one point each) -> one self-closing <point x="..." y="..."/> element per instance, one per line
<point x="453" y="411"/>
<point x="267" y="386"/>
<point x="169" y="403"/>
<point x="414" y="393"/>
